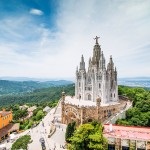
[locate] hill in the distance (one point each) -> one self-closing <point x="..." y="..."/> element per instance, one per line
<point x="36" y="96"/>
<point x="16" y="87"/>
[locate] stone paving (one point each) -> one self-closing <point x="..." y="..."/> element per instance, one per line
<point x="55" y="142"/>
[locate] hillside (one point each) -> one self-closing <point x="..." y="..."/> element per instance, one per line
<point x="16" y="87"/>
<point x="139" y="115"/>
<point x="38" y="95"/>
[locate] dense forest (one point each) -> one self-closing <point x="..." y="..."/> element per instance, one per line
<point x="139" y="115"/>
<point x="38" y="95"/>
<point x="15" y="87"/>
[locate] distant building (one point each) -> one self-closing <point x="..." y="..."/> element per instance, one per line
<point x="5" y="126"/>
<point x="127" y="138"/>
<point x="5" y="118"/>
<point x="24" y="107"/>
<point x="96" y="91"/>
<point x="31" y="109"/>
<point x="47" y="109"/>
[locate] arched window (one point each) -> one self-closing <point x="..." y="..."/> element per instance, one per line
<point x="79" y="84"/>
<point x="79" y="96"/>
<point x="90" y="120"/>
<point x="89" y="80"/>
<point x="99" y="85"/>
<point x="89" y="97"/>
<point x="111" y="95"/>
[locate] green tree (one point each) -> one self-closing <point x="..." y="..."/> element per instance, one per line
<point x="21" y="143"/>
<point x="88" y="137"/>
<point x="18" y="114"/>
<point x="70" y="130"/>
<point x="39" y="115"/>
<point x="97" y="140"/>
<point x="139" y="115"/>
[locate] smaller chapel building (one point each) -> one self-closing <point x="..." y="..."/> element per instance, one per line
<point x="96" y="91"/>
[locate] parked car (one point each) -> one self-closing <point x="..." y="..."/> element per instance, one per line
<point x="43" y="146"/>
<point x="42" y="141"/>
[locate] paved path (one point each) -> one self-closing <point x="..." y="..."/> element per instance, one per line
<point x="114" y="117"/>
<point x="43" y="129"/>
<point x="56" y="140"/>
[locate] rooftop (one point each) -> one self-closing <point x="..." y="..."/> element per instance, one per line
<point x="9" y="128"/>
<point x="127" y="132"/>
<point x="32" y="108"/>
<point x="5" y="113"/>
<point x="81" y="102"/>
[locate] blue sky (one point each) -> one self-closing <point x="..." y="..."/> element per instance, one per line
<point x="46" y="38"/>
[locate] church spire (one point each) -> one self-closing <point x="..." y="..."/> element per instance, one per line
<point x="111" y="62"/>
<point x="102" y="61"/>
<point x="82" y="63"/>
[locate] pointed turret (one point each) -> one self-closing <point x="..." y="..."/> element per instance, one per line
<point x="82" y="63"/>
<point x="77" y="70"/>
<point x="110" y="66"/>
<point x="90" y="62"/>
<point x="102" y="61"/>
<point x="111" y="62"/>
<point x="115" y="72"/>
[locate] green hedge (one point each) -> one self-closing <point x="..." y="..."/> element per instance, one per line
<point x="21" y="143"/>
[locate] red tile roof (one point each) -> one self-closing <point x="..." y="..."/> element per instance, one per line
<point x="127" y="132"/>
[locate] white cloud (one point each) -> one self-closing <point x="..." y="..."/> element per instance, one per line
<point x="32" y="50"/>
<point x="34" y="11"/>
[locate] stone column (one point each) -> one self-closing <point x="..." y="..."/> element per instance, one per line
<point x="62" y="108"/>
<point x="82" y="116"/>
<point x="118" y="144"/>
<point x="98" y="103"/>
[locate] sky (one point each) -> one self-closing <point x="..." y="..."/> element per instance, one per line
<point x="46" y="38"/>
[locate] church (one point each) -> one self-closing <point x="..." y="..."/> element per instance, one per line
<point x="96" y="91"/>
<point x="97" y="81"/>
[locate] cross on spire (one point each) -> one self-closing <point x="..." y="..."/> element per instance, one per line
<point x="96" y="38"/>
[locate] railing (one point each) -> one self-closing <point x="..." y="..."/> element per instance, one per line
<point x="120" y="115"/>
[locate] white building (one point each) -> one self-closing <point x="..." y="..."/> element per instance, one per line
<point x="97" y="81"/>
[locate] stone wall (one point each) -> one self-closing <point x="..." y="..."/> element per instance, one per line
<point x="82" y="114"/>
<point x="132" y="144"/>
<point x="120" y="115"/>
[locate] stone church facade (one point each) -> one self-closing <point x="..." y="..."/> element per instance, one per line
<point x="96" y="91"/>
<point x="98" y="81"/>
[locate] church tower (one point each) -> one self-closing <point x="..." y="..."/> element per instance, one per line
<point x="98" y="81"/>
